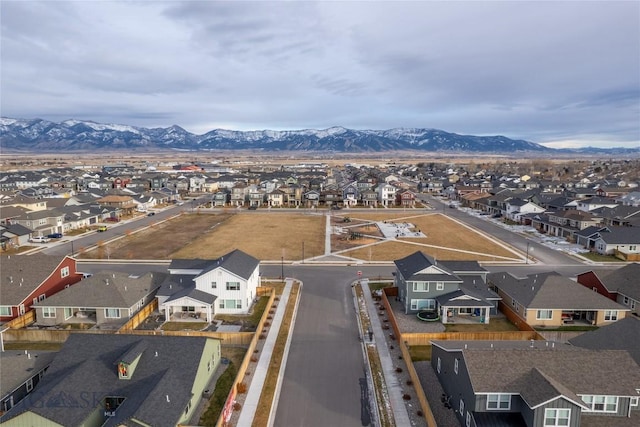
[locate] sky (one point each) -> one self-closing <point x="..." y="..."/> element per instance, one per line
<point x="562" y="74"/>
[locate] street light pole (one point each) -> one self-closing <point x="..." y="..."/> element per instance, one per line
<point x="282" y="267"/>
<point x="303" y="251"/>
<point x="527" y="262"/>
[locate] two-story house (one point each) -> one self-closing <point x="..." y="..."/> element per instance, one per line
<point x="25" y="280"/>
<point x="621" y="285"/>
<point x="202" y="288"/>
<point x="536" y="384"/>
<point x="425" y="284"/>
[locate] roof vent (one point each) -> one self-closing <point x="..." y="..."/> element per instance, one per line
<point x="156" y="355"/>
<point x="106" y="281"/>
<point x="531" y="344"/>
<point x="491" y="345"/>
<point x="113" y="275"/>
<point x="168" y="401"/>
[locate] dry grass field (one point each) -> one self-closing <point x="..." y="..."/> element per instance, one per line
<point x="264" y="236"/>
<point x="270" y="236"/>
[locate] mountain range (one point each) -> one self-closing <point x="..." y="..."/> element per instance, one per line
<point x="37" y="135"/>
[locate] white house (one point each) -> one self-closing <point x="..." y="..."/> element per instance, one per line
<point x="386" y="194"/>
<point x="198" y="288"/>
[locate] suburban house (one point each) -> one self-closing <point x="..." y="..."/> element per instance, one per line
<point x="107" y="300"/>
<point x="536" y="384"/>
<point x="621" y="285"/>
<point x="198" y="288"/>
<point x="623" y="242"/>
<point x="20" y="372"/>
<point x="551" y="300"/>
<point x="425" y="284"/>
<point x="117" y="380"/>
<point x="13" y="236"/>
<point x="26" y="280"/>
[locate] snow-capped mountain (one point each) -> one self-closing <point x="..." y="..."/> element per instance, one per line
<point x="77" y="135"/>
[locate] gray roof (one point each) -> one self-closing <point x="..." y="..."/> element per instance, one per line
<point x="413" y="266"/>
<point x="621" y="335"/>
<point x="236" y="262"/>
<point x="463" y="267"/>
<point x="85" y="366"/>
<point x="543" y="372"/>
<point x="623" y="280"/>
<point x="552" y="291"/>
<point x="20" y="275"/>
<point x="106" y="289"/>
<point x="16" y="366"/>
<point x="621" y="235"/>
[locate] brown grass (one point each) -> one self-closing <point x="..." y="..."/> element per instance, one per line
<point x="261" y="417"/>
<point x="266" y="237"/>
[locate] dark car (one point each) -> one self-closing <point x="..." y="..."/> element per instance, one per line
<point x="335" y="207"/>
<point x="54" y="235"/>
<point x="151" y="214"/>
<point x="253" y="207"/>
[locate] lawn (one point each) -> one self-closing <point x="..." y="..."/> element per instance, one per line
<point x="494" y="325"/>
<point x="184" y="326"/>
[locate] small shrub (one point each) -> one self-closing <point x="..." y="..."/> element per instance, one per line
<point x="391" y="347"/>
<point x="262" y="336"/>
<point x="393" y="337"/>
<point x="267" y="323"/>
<point x="237" y="406"/>
<point x="242" y="388"/>
<point x="269" y="317"/>
<point x="256" y="351"/>
<point x="276" y="299"/>
<point x="406" y="396"/>
<point x="247" y="373"/>
<point x="409" y="382"/>
<point x="419" y="413"/>
<point x="398" y="369"/>
<point x="272" y="311"/>
<point x="254" y="359"/>
<point x="400" y="357"/>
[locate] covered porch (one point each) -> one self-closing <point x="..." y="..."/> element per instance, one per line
<point x="188" y="309"/>
<point x="465" y="309"/>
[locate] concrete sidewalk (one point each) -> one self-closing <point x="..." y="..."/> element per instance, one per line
<point x="260" y="373"/>
<point x="394" y="388"/>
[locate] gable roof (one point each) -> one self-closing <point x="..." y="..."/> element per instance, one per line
<point x="20" y="275"/>
<point x="623" y="280"/>
<point x="157" y="393"/>
<point x="541" y="372"/>
<point x="620" y="235"/>
<point x="421" y="267"/>
<point x="552" y="291"/>
<point x="108" y="289"/>
<point x="621" y="335"/>
<point x="236" y="262"/>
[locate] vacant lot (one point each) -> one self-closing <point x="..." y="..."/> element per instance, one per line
<point x="273" y="235"/>
<point x="445" y="239"/>
<point x="264" y="236"/>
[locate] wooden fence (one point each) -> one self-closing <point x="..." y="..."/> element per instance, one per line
<point x="426" y="338"/>
<point x="22" y="321"/>
<point x="139" y="317"/>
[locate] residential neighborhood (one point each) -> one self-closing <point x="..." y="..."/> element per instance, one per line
<point x="512" y="340"/>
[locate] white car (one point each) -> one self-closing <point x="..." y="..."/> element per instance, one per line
<point x="39" y="239"/>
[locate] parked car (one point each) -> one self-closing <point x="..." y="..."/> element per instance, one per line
<point x="102" y="228"/>
<point x="335" y="207"/>
<point x="253" y="207"/>
<point x="151" y="214"/>
<point x="55" y="235"/>
<point x="39" y="239"/>
<point x="113" y="219"/>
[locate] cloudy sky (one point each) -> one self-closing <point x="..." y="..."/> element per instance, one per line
<point x="563" y="74"/>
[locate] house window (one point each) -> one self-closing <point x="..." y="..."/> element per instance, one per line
<point x="42" y="297"/>
<point x="439" y="286"/>
<point x="634" y="401"/>
<point x="610" y="315"/>
<point x="214" y="285"/>
<point x="420" y="286"/>
<point x="64" y="272"/>
<point x="499" y="401"/>
<point x="556" y="417"/>
<point x="230" y="303"/>
<point x="423" y="304"/>
<point x="187" y="308"/>
<point x="461" y="406"/>
<point x="233" y="286"/>
<point x="112" y="313"/>
<point x="601" y="403"/>
<point x="455" y="366"/>
<point x="49" y="312"/>
<point x="625" y="300"/>
<point x="468" y="419"/>
<point x="544" y="314"/>
<point x="29" y="385"/>
<point x="68" y="312"/>
<point x="5" y="310"/>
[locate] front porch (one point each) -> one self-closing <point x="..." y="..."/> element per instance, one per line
<point x="465" y="315"/>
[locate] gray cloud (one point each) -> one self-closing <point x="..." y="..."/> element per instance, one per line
<point x="543" y="71"/>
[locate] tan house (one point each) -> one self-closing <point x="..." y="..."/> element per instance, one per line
<point x="551" y="300"/>
<point x="125" y="203"/>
